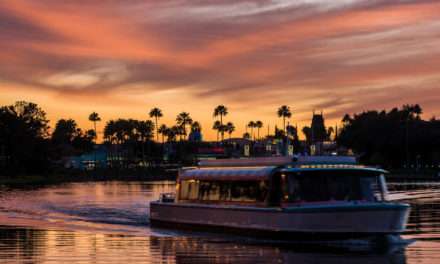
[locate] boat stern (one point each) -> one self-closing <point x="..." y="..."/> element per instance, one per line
<point x="368" y="218"/>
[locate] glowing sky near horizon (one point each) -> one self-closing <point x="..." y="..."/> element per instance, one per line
<point x="120" y="58"/>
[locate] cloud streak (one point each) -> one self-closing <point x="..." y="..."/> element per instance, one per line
<point x="344" y="56"/>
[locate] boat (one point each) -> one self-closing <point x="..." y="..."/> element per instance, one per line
<point x="299" y="198"/>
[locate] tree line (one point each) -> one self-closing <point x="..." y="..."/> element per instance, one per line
<point x="29" y="145"/>
<point x="396" y="138"/>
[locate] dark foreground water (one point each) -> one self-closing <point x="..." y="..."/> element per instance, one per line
<point x="108" y="223"/>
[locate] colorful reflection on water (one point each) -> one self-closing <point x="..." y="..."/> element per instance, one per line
<point x="107" y="222"/>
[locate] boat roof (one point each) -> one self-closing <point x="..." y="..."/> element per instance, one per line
<point x="263" y="173"/>
<point x="278" y="161"/>
<point x="333" y="167"/>
<point x="246" y="162"/>
<point x="231" y="173"/>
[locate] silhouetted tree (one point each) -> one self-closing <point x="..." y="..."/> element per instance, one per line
<point x="284" y="112"/>
<point x="23" y="139"/>
<point x="230" y="128"/>
<point x="258" y="125"/>
<point x="292" y="133"/>
<point x="145" y="133"/>
<point x="65" y="131"/>
<point x="195" y="126"/>
<point x="195" y="135"/>
<point x="221" y="111"/>
<point x="279" y="133"/>
<point x="252" y="125"/>
<point x="94" y="117"/>
<point x="156" y="113"/>
<point x="173" y="132"/>
<point x="392" y="138"/>
<point x="163" y="130"/>
<point x="183" y="119"/>
<point x="129" y="135"/>
<point x="217" y="126"/>
<point x="67" y="139"/>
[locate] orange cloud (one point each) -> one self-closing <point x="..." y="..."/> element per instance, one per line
<point x="121" y="58"/>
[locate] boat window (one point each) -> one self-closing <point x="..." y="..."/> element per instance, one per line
<point x="209" y="191"/>
<point x="371" y="189"/>
<point x="189" y="190"/>
<point x="234" y="191"/>
<point x="275" y="195"/>
<point x="331" y="186"/>
<point x="323" y="188"/>
<point x="246" y="191"/>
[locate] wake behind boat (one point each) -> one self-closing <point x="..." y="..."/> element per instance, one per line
<point x="310" y="198"/>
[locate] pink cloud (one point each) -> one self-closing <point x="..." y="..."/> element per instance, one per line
<point x="311" y="54"/>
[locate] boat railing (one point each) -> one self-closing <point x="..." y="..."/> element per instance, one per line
<point x="167" y="197"/>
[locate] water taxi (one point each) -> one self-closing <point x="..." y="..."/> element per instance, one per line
<point x="308" y="198"/>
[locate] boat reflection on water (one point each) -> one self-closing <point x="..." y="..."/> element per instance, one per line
<point x="24" y="245"/>
<point x="190" y="250"/>
<point x="17" y="243"/>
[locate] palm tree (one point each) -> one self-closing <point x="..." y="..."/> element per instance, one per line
<point x="221" y="111"/>
<point x="217" y="126"/>
<point x="291" y="131"/>
<point x="284" y="112"/>
<point x="109" y="135"/>
<point x="109" y="132"/>
<point x="195" y="134"/>
<point x="129" y="128"/>
<point x="182" y="120"/>
<point x="222" y="129"/>
<point x="417" y="110"/>
<point x="195" y="126"/>
<point x="156" y="113"/>
<point x="119" y="131"/>
<point x="258" y="125"/>
<point x="94" y="117"/>
<point x="162" y="130"/>
<point x="230" y="128"/>
<point x="171" y="133"/>
<point x="174" y="132"/>
<point x="251" y="124"/>
<point x="144" y="130"/>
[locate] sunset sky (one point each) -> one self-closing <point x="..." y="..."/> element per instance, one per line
<point x="120" y="58"/>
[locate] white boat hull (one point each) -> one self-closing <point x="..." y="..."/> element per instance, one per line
<point x="311" y="222"/>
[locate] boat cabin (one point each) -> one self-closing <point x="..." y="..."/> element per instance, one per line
<point x="274" y="186"/>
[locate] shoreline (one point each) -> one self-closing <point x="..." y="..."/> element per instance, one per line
<point x="36" y="180"/>
<point x="60" y="177"/>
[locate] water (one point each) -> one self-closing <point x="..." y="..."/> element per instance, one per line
<point x="108" y="223"/>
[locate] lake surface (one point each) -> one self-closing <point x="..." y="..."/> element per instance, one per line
<point x="107" y="222"/>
